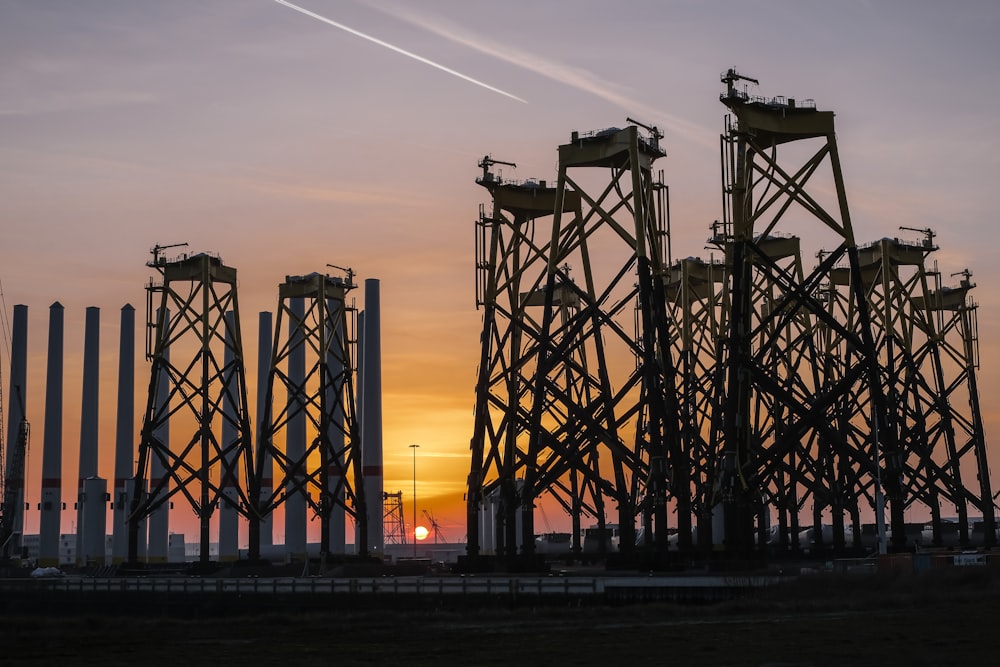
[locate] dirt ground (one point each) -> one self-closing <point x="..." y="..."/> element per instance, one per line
<point x="936" y="619"/>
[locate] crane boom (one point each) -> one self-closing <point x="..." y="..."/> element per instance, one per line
<point x="348" y="270"/>
<point x="926" y="231"/>
<point x="731" y="76"/>
<point x="654" y="131"/>
<point x="157" y="249"/>
<point x="435" y="526"/>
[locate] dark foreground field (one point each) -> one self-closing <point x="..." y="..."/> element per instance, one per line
<point x="944" y="618"/>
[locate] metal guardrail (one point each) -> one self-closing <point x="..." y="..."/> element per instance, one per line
<point x="468" y="585"/>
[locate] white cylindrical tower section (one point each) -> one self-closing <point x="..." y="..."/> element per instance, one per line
<point x="51" y="505"/>
<point x="487" y="525"/>
<point x="335" y="433"/>
<point x="264" y="327"/>
<point x="360" y="408"/>
<point x="159" y="518"/>
<point x="371" y="417"/>
<point x="229" y="517"/>
<point x="125" y="436"/>
<point x="16" y="399"/>
<point x="94" y="520"/>
<point x="295" y="434"/>
<point x="89" y="423"/>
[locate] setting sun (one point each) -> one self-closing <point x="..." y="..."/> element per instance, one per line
<point x="420" y="533"/>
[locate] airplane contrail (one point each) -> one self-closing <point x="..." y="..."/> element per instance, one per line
<point x="575" y="77"/>
<point x="404" y="52"/>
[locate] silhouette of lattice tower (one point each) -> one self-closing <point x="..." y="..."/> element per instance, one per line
<point x="697" y="296"/>
<point x="193" y="386"/>
<point x="763" y="188"/>
<point x="313" y="438"/>
<point x="957" y="328"/>
<point x="803" y="470"/>
<point x="849" y="456"/>
<point x="395" y="525"/>
<point x="511" y="259"/>
<point x="590" y="399"/>
<point x="908" y="323"/>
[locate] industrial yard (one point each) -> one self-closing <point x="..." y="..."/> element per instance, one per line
<point x="712" y="385"/>
<point x="754" y="431"/>
<point x="760" y="384"/>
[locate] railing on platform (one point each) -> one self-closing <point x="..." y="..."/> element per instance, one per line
<point x="466" y="585"/>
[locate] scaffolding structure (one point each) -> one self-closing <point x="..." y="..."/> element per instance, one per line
<point x="954" y="311"/>
<point x="313" y="438"/>
<point x="772" y="408"/>
<point x="197" y="382"/>
<point x="511" y="256"/>
<point x="925" y="371"/>
<point x="696" y="296"/>
<point x="395" y="524"/>
<point x="555" y="414"/>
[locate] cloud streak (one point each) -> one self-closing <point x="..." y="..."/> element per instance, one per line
<point x="356" y="196"/>
<point x="573" y="77"/>
<point x="400" y="51"/>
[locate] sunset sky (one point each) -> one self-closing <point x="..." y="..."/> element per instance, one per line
<point x="283" y="143"/>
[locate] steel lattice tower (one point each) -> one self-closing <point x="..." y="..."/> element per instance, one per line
<point x="793" y="470"/>
<point x="189" y="385"/>
<point x="392" y="519"/>
<point x="327" y="473"/>
<point x="763" y="188"/>
<point x="570" y="425"/>
<point x="907" y="314"/>
<point x="814" y="468"/>
<point x="696" y="296"/>
<point x="758" y="387"/>
<point x="958" y="393"/>
<point x="628" y="419"/>
<point x="893" y="273"/>
<point x="511" y="257"/>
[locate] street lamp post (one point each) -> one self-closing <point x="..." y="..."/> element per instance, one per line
<point x="414" y="448"/>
